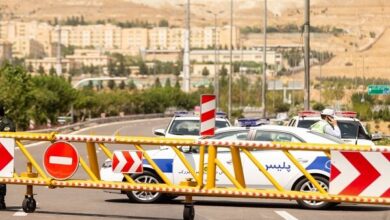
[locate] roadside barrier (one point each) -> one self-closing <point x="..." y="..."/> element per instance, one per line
<point x="203" y="180"/>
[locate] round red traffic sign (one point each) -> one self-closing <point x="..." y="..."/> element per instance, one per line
<point x="61" y="160"/>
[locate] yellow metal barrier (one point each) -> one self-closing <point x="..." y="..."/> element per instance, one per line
<point x="198" y="187"/>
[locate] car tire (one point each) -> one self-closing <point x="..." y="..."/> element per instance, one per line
<point x="142" y="196"/>
<point x="305" y="185"/>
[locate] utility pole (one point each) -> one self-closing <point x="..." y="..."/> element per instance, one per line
<point x="186" y="57"/>
<point x="306" y="96"/>
<point x="58" y="64"/>
<point x="264" y="79"/>
<point x="231" y="61"/>
<point x="216" y="74"/>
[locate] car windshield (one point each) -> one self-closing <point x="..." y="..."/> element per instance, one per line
<point x="348" y="128"/>
<point x="191" y="127"/>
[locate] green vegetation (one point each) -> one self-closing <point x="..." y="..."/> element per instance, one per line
<point x="292" y="28"/>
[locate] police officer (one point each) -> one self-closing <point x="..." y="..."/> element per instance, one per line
<point x="327" y="124"/>
<point x="5" y="125"/>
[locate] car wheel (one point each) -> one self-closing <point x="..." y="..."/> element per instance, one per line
<point x="304" y="185"/>
<point x="146" y="177"/>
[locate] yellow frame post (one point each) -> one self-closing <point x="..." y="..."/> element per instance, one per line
<point x="237" y="165"/>
<point x="211" y="167"/>
<point x="201" y="165"/>
<point x="31" y="159"/>
<point x="93" y="161"/>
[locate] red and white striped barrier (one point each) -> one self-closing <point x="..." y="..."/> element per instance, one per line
<point x="360" y="173"/>
<point x="207" y="117"/>
<point x="127" y="161"/>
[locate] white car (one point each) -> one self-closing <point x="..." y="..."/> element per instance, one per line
<point x="275" y="161"/>
<point x="187" y="125"/>
<point x="352" y="130"/>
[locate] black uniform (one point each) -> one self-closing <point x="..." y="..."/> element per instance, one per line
<point x="5" y="125"/>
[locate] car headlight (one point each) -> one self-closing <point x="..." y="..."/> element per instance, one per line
<point x="107" y="164"/>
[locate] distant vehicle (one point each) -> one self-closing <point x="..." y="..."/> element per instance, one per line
<point x="275" y="161"/>
<point x="352" y="130"/>
<point x="187" y="125"/>
<point x="64" y="120"/>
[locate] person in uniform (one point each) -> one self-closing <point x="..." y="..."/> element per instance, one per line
<point x="327" y="124"/>
<point x="6" y="125"/>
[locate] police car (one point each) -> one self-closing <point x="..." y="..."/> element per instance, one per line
<point x="187" y="125"/>
<point x="275" y="161"/>
<point x="184" y="124"/>
<point x="352" y="130"/>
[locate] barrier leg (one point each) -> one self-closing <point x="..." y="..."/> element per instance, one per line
<point x="29" y="204"/>
<point x="189" y="211"/>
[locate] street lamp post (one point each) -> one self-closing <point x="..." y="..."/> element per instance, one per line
<point x="306" y="101"/>
<point x="263" y="95"/>
<point x="216" y="74"/>
<point x="231" y="61"/>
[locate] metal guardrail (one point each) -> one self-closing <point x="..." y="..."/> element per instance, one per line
<point x="94" y="121"/>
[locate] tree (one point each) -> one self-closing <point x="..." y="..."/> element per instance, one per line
<point x="223" y="71"/>
<point x="52" y="71"/>
<point x="122" y="85"/>
<point x="157" y="83"/>
<point x="163" y="23"/>
<point x="30" y="68"/>
<point x="205" y="72"/>
<point x="41" y="70"/>
<point x="111" y="84"/>
<point x="168" y="83"/>
<point x="143" y="69"/>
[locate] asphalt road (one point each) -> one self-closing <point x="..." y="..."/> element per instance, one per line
<point x="96" y="204"/>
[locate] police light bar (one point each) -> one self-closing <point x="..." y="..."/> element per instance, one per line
<point x="220" y="115"/>
<point x="347" y="114"/>
<point x="249" y="122"/>
<point x="309" y="113"/>
<point x="182" y="113"/>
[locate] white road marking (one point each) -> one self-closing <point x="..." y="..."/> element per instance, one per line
<point x="20" y="213"/>
<point x="285" y="215"/>
<point x="60" y="160"/>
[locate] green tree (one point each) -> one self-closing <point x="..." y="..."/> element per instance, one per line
<point x="122" y="85"/>
<point x="15" y="90"/>
<point x="168" y="83"/>
<point x="157" y="83"/>
<point x="52" y="71"/>
<point x="111" y="84"/>
<point x="41" y="70"/>
<point x="205" y="72"/>
<point x="163" y="23"/>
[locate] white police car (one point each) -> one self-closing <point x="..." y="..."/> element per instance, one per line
<point x="352" y="130"/>
<point x="187" y="125"/>
<point x="275" y="161"/>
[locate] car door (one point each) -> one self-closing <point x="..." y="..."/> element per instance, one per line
<point x="224" y="156"/>
<point x="274" y="161"/>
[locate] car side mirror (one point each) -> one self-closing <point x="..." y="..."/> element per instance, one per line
<point x="159" y="132"/>
<point x="376" y="137"/>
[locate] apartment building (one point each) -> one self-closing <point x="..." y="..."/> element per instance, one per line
<point x="5" y="51"/>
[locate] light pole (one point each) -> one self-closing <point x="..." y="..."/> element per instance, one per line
<point x="231" y="60"/>
<point x="306" y="97"/>
<point x="264" y="78"/>
<point x="216" y="74"/>
<point x="186" y="57"/>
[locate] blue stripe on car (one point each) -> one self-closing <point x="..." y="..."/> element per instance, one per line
<point x="320" y="163"/>
<point x="166" y="165"/>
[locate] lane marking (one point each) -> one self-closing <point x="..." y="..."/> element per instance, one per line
<point x="285" y="215"/>
<point x="60" y="160"/>
<point x="20" y="213"/>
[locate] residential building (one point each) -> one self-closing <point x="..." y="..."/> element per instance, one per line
<point x="49" y="62"/>
<point x="88" y="57"/>
<point x="5" y="51"/>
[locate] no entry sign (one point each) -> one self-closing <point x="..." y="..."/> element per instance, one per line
<point x="61" y="160"/>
